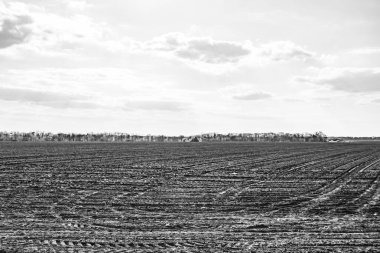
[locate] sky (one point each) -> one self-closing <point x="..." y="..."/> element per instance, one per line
<point x="189" y="67"/>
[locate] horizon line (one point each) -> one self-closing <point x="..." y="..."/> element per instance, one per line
<point x="199" y="134"/>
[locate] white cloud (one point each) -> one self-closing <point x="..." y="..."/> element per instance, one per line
<point x="345" y="79"/>
<point x="15" y="26"/>
<point x="285" y="51"/>
<point x="79" y="39"/>
<point x="244" y="92"/>
<point x="253" y="96"/>
<point x="48" y="33"/>
<point x="89" y="88"/>
<point x="203" y="49"/>
<point x="203" y="52"/>
<point x="365" y="51"/>
<point x="78" y="5"/>
<point x="155" y="105"/>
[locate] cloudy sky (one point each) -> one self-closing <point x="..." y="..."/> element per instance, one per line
<point x="187" y="67"/>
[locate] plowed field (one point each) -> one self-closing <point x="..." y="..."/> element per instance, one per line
<point x="189" y="197"/>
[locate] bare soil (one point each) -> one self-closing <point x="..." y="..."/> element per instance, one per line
<point x="189" y="197"/>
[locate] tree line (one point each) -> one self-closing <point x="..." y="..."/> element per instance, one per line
<point x="124" y="137"/>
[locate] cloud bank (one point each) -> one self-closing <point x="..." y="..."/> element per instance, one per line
<point x="45" y="98"/>
<point x="345" y="79"/>
<point x="75" y="37"/>
<point x="209" y="50"/>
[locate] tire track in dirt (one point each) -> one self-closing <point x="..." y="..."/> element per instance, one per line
<point x="363" y="201"/>
<point x="118" y="245"/>
<point x="371" y="197"/>
<point x="304" y="202"/>
<point x="232" y="193"/>
<point x="336" y="186"/>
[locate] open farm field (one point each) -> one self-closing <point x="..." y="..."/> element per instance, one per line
<point x="189" y="197"/>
